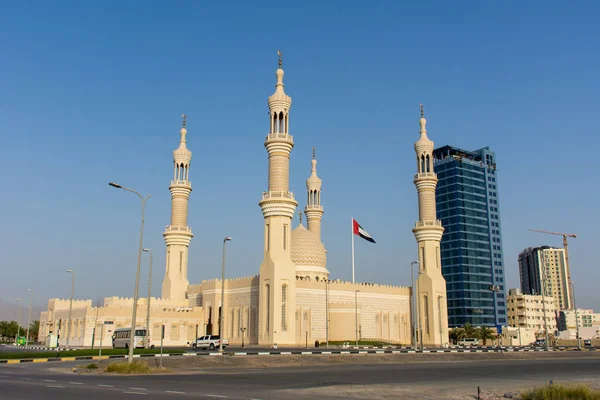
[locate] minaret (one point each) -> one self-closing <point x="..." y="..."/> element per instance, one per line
<point x="432" y="300"/>
<point x="314" y="209"/>
<point x="277" y="271"/>
<point x="178" y="235"/>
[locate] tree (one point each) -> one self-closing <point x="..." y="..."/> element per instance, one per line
<point x="9" y="329"/>
<point x="34" y="329"/>
<point x="470" y="331"/>
<point x="457" y="334"/>
<point x="485" y="334"/>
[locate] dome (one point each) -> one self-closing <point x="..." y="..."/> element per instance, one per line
<point x="307" y="250"/>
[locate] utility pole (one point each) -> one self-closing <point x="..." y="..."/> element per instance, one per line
<point x="148" y="302"/>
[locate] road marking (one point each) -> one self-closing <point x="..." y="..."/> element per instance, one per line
<point x="49" y="380"/>
<point x="174" y="392"/>
<point x="106" y="385"/>
<point x="76" y="383"/>
<point x="55" y="386"/>
<point x="216" y="395"/>
<point x="132" y="388"/>
<point x="27" y="379"/>
<point x="136" y="393"/>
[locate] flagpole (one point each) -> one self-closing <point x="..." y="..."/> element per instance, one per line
<point x="352" y="232"/>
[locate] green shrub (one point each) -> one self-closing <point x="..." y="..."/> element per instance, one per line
<point x="562" y="392"/>
<point x="91" y="366"/>
<point x="136" y="367"/>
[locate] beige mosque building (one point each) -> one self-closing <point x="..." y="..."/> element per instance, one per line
<point x="293" y="300"/>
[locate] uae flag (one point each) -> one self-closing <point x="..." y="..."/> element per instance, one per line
<point x="358" y="230"/>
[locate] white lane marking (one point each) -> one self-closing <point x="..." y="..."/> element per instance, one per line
<point x="132" y="388"/>
<point x="27" y="379"/>
<point x="106" y="385"/>
<point x="174" y="392"/>
<point x="136" y="393"/>
<point x="55" y="386"/>
<point x="76" y="383"/>
<point x="49" y="380"/>
<point x="216" y="395"/>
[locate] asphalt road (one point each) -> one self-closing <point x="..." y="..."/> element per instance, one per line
<point x="27" y="381"/>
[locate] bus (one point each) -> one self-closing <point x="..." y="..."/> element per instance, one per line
<point x="121" y="336"/>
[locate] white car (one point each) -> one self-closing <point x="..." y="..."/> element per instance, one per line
<point x="209" y="342"/>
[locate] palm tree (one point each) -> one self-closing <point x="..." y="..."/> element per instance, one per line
<point x="470" y="331"/>
<point x="485" y="333"/>
<point x="34" y="329"/>
<point x="456" y="335"/>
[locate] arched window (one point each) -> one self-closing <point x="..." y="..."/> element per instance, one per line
<point x="426" y="313"/>
<point x="281" y="127"/>
<point x="284" y="290"/>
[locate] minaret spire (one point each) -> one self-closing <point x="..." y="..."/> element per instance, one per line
<point x="314" y="209"/>
<point x="278" y="271"/>
<point x="428" y="231"/>
<point x="178" y="234"/>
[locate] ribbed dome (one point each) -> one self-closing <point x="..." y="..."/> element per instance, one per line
<point x="307" y="249"/>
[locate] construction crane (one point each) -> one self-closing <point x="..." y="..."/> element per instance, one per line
<point x="566" y="246"/>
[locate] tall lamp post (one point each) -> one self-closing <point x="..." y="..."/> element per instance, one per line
<point x="495" y="289"/>
<point x="19" y="326"/>
<point x="544" y="303"/>
<point x="29" y="320"/>
<point x="356" y="314"/>
<point x="576" y="318"/>
<point x="414" y="307"/>
<point x="222" y="316"/>
<point x="148" y="302"/>
<point x="137" y="275"/>
<point x="70" y="304"/>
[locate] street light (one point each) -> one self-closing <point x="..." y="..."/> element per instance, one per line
<point x="70" y="304"/>
<point x="19" y="326"/>
<point x="414" y="307"/>
<point x="576" y="318"/>
<point x="29" y="320"/>
<point x="356" y="313"/>
<point x="243" y="330"/>
<point x="543" y="284"/>
<point x="148" y="302"/>
<point x="222" y="316"/>
<point x="137" y="275"/>
<point x="495" y="289"/>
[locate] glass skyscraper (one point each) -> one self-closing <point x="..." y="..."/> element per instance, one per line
<point x="471" y="248"/>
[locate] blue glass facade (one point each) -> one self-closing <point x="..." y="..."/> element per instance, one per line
<point x="471" y="248"/>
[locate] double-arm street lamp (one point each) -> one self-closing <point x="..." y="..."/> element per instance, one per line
<point x="222" y="316"/>
<point x="137" y="275"/>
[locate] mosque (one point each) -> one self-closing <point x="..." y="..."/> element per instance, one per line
<point x="293" y="300"/>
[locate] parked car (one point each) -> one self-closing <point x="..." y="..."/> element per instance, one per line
<point x="209" y="342"/>
<point x="468" y="342"/>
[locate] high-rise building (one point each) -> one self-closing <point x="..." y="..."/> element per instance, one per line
<point x="543" y="271"/>
<point x="431" y="286"/>
<point x="471" y="248"/>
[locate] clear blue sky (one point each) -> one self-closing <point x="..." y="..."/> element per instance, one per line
<point x="93" y="92"/>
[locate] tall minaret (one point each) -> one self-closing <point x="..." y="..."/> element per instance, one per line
<point x="314" y="209"/>
<point x="277" y="271"/>
<point x="432" y="300"/>
<point x="178" y="235"/>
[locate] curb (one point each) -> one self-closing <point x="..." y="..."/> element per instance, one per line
<point x="273" y="353"/>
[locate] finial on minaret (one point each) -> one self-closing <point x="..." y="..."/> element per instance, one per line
<point x="422" y="111"/>
<point x="280" y="54"/>
<point x="300" y="216"/>
<point x="314" y="153"/>
<point x="184" y="118"/>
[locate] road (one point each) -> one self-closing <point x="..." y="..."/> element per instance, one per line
<point x="26" y="381"/>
